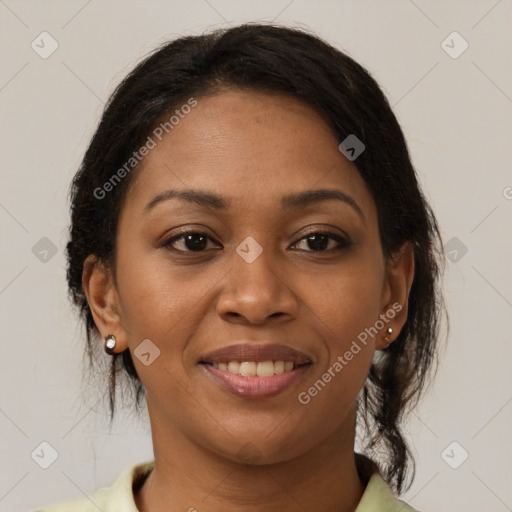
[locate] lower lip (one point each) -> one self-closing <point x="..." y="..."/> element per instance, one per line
<point x="256" y="387"/>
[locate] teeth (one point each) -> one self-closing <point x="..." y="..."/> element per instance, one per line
<point x="248" y="369"/>
<point x="278" y="367"/>
<point x="233" y="367"/>
<point x="252" y="368"/>
<point x="265" y="369"/>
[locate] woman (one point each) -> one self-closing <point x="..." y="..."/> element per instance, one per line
<point x="250" y="244"/>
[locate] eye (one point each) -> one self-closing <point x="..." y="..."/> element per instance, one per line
<point x="193" y="241"/>
<point x="319" y="241"/>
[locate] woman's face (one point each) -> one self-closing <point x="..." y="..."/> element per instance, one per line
<point x="254" y="277"/>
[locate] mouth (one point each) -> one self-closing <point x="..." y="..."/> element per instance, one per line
<point x="256" y="371"/>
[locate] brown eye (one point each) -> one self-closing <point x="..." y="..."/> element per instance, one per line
<point x="318" y="241"/>
<point x="191" y="241"/>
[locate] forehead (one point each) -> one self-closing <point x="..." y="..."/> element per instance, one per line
<point x="247" y="145"/>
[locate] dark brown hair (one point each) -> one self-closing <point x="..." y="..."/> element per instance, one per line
<point x="293" y="62"/>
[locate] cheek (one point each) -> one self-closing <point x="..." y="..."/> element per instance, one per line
<point x="349" y="299"/>
<point x="348" y="305"/>
<point x="154" y="296"/>
<point x="156" y="305"/>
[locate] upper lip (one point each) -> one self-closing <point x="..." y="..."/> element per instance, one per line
<point x="255" y="352"/>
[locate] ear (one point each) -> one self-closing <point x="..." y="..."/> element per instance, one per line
<point x="99" y="287"/>
<point x="395" y="293"/>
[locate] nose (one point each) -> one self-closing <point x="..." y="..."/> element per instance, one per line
<point x="256" y="291"/>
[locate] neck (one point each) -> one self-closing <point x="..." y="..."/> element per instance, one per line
<point x="187" y="476"/>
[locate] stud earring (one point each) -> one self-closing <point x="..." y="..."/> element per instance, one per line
<point x="389" y="331"/>
<point x="110" y="343"/>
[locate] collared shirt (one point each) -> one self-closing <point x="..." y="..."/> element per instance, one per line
<point x="377" y="496"/>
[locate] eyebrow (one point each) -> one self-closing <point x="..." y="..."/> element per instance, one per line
<point x="289" y="202"/>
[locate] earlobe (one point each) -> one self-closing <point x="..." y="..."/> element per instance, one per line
<point x="99" y="288"/>
<point x="399" y="278"/>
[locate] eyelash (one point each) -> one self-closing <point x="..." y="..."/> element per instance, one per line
<point x="343" y="243"/>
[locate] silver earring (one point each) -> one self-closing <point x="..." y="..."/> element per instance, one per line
<point x="110" y="343"/>
<point x="389" y="331"/>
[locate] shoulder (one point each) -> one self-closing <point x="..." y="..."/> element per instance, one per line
<point x="118" y="496"/>
<point x="86" y="504"/>
<point x="378" y="497"/>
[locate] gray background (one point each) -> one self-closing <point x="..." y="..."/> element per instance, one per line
<point x="455" y="113"/>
